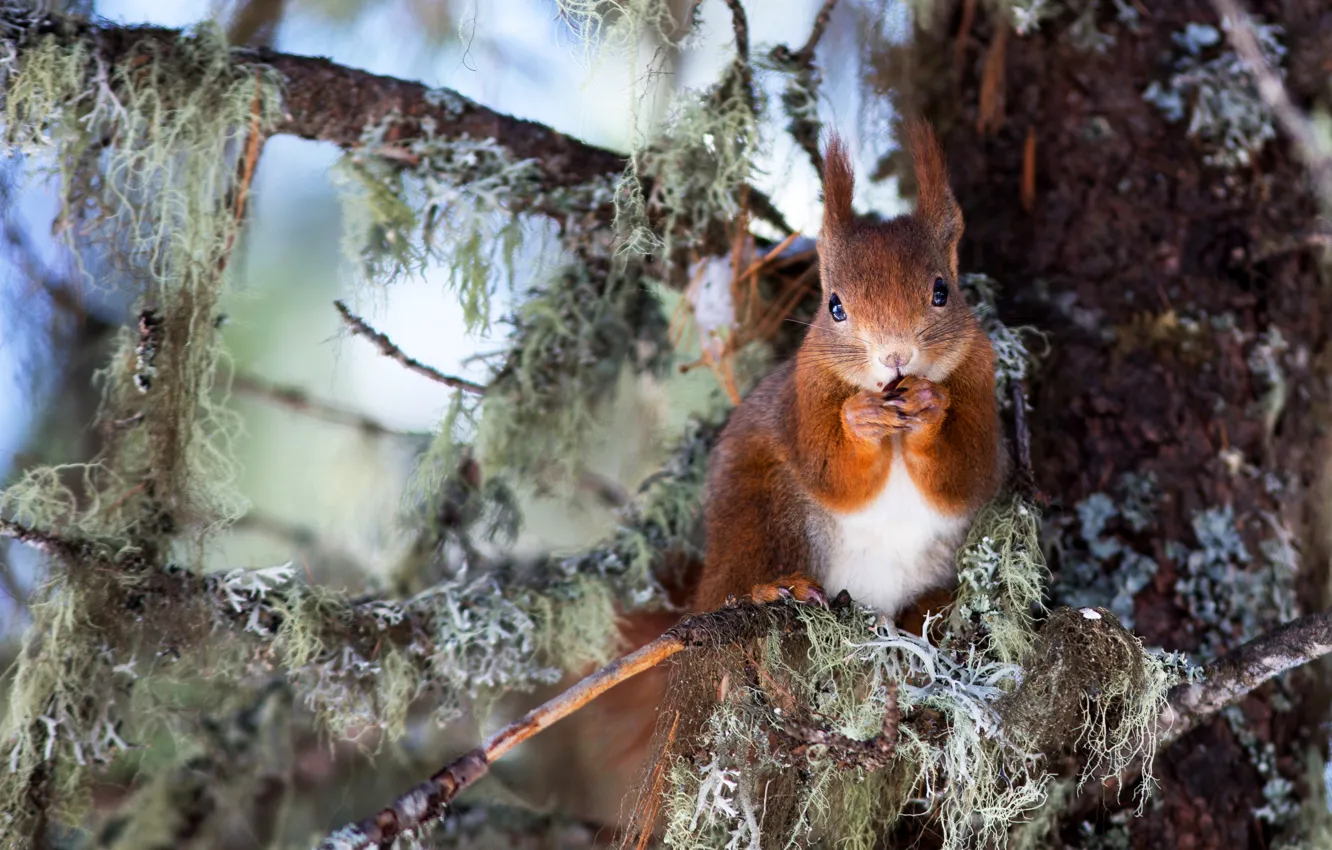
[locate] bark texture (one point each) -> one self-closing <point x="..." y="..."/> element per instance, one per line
<point x="1129" y="232"/>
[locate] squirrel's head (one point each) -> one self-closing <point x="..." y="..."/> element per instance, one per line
<point x="891" y="305"/>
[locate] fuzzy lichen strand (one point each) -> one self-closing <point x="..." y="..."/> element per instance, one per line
<point x="161" y="201"/>
<point x="572" y="340"/>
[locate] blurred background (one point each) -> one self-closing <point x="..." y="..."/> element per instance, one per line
<point x="338" y="485"/>
<point x="326" y="495"/>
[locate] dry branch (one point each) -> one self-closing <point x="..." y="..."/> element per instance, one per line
<point x="425" y="803"/>
<point x="1227" y="680"/>
<point x="298" y="400"/>
<point x="389" y="348"/>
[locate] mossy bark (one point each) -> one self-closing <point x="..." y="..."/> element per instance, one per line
<point x="1130" y="230"/>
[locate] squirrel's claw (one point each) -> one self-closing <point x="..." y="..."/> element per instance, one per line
<point x="797" y="587"/>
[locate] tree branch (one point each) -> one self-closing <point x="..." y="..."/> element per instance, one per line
<point x="50" y="544"/>
<point x="1225" y="681"/>
<point x="1238" y="673"/>
<point x="298" y="400"/>
<point x="389" y="348"/>
<point x="426" y="802"/>
<point x="327" y="102"/>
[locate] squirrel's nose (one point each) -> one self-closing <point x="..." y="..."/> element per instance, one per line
<point x="894" y="359"/>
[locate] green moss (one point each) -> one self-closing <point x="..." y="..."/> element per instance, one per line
<point x="159" y="199"/>
<point x="452" y="201"/>
<point x="573" y="339"/>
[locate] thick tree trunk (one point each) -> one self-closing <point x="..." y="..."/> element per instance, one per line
<point x="1129" y="238"/>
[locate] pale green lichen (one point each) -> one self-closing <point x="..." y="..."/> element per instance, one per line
<point x="1311" y="827"/>
<point x="1013" y="359"/>
<point x="618" y="25"/>
<point x="1280" y="807"/>
<point x="1216" y="89"/>
<point x="465" y="639"/>
<point x="148" y="153"/>
<point x="159" y="201"/>
<point x="1001" y="578"/>
<point x="573" y="338"/>
<point x="428" y="200"/>
<point x="696" y="166"/>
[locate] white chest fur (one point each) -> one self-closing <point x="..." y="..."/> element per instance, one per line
<point x="894" y="549"/>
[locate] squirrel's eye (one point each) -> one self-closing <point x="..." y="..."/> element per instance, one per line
<point x="835" y="307"/>
<point x="940" y="293"/>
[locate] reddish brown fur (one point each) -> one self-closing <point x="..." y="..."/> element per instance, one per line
<point x="810" y="437"/>
<point x="802" y="437"/>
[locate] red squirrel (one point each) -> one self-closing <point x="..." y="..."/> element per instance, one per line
<point x="856" y="466"/>
<point x="859" y="464"/>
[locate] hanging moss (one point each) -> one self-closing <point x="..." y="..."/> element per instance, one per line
<point x="411" y="203"/>
<point x="572" y="339"/>
<point x="696" y="168"/>
<point x="148" y="153"/>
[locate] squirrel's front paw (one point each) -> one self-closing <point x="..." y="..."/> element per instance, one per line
<point x="799" y="587"/>
<point x="917" y="402"/>
<point x="869" y="417"/>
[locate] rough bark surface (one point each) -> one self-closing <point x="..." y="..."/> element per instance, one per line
<point x="1127" y="226"/>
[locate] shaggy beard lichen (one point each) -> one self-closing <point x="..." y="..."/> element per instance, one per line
<point x="980" y="709"/>
<point x="693" y="172"/>
<point x="573" y="337"/>
<point x="148" y="154"/>
<point x="431" y="200"/>
<point x="463" y="641"/>
<point x="160" y="202"/>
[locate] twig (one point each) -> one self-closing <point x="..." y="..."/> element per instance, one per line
<point x="606" y="490"/>
<point x="390" y="349"/>
<point x="806" y="53"/>
<point x="42" y="541"/>
<point x="1238" y="673"/>
<point x="298" y="400"/>
<point x="801" y="94"/>
<point x="1226" y="680"/>
<point x="426" y="802"/>
<point x="740" y="24"/>
<point x="1022" y="437"/>
<point x="1308" y="146"/>
<point x="245" y="168"/>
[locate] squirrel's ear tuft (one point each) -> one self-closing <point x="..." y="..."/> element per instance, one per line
<point x="935" y="204"/>
<point x="839" y="183"/>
